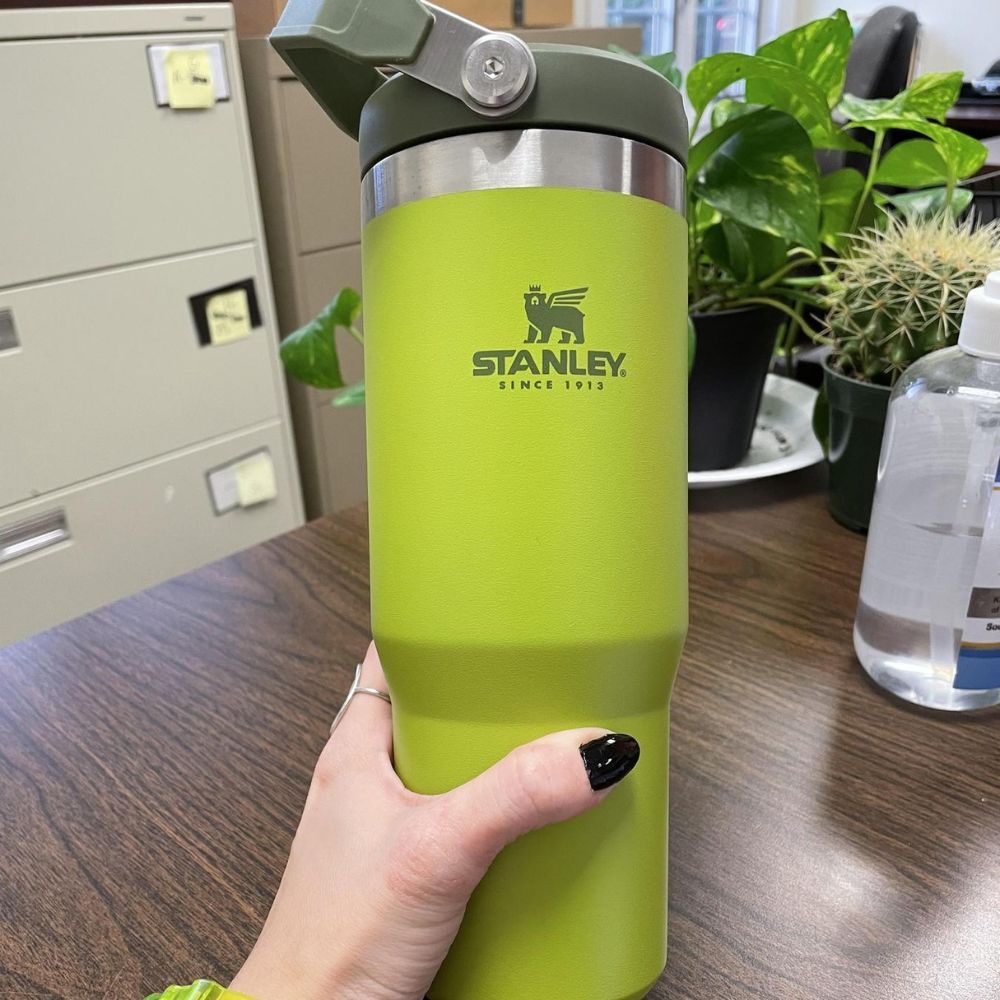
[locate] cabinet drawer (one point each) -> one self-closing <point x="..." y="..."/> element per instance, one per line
<point x="101" y="540"/>
<point x="341" y="433"/>
<point x="94" y="174"/>
<point x="324" y="168"/>
<point x="110" y="370"/>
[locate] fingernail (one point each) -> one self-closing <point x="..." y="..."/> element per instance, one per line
<point x="609" y="758"/>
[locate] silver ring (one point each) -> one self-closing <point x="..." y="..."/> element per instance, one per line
<point x="357" y="689"/>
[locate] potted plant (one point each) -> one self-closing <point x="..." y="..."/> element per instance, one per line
<point x="310" y="353"/>
<point x="764" y="222"/>
<point x="896" y="296"/>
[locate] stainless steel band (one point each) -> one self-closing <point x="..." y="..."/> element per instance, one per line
<point x="523" y="158"/>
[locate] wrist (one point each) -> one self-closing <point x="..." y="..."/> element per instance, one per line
<point x="267" y="975"/>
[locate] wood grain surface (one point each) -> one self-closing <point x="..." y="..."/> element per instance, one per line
<point x="827" y="842"/>
<point x="980" y="120"/>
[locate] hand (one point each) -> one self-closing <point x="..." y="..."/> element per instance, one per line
<point x="378" y="877"/>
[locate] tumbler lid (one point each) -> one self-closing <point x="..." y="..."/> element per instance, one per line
<point x="586" y="90"/>
<point x="455" y="76"/>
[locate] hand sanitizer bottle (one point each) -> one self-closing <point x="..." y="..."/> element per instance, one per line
<point x="928" y="619"/>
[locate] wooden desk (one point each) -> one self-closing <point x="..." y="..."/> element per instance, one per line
<point x="980" y="120"/>
<point x="827" y="842"/>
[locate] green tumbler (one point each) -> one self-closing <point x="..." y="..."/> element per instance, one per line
<point x="525" y="277"/>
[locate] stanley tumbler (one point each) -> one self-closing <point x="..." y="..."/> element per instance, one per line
<point x="526" y="369"/>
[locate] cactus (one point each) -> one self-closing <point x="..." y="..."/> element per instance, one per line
<point x="898" y="294"/>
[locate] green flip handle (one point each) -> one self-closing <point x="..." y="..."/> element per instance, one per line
<point x="335" y="46"/>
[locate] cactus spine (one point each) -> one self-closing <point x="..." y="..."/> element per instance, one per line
<point x="898" y="294"/>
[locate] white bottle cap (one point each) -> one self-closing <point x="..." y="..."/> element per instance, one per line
<point x="980" y="331"/>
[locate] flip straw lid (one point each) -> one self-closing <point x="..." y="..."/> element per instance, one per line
<point x="456" y="77"/>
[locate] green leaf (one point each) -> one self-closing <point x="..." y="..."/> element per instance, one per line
<point x="310" y="353"/>
<point x="859" y="109"/>
<point x="932" y="94"/>
<point x="962" y="155"/>
<point x="915" y="163"/>
<point x="725" y="109"/>
<point x="930" y="202"/>
<point x="703" y="216"/>
<point x="712" y="140"/>
<point x="748" y="255"/>
<point x="714" y="244"/>
<point x="764" y="176"/>
<point x="819" y="48"/>
<point x="345" y="309"/>
<point x="768" y="253"/>
<point x="353" y="395"/>
<point x="838" y="195"/>
<point x="841" y="140"/>
<point x="665" y="63"/>
<point x="788" y="85"/>
<point x="929" y="96"/>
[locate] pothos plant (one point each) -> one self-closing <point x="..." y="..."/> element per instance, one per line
<point x="764" y="222"/>
<point x="310" y="353"/>
<point x="765" y="225"/>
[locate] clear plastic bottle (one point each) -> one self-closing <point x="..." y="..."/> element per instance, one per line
<point x="928" y="620"/>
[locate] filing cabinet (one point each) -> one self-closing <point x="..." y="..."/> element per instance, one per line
<point x="138" y="343"/>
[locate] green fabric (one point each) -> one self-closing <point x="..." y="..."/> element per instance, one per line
<point x="202" y="989"/>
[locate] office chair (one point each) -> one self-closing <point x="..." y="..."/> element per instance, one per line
<point x="880" y="65"/>
<point x="882" y="56"/>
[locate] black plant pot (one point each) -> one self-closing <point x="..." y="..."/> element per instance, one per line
<point x="856" y="422"/>
<point x="732" y="355"/>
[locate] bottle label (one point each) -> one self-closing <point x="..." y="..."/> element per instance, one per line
<point x="978" y="665"/>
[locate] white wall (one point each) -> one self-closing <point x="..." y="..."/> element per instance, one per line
<point x="587" y="13"/>
<point x="954" y="34"/>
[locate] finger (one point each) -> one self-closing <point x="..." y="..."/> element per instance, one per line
<point x="547" y="781"/>
<point x="367" y="723"/>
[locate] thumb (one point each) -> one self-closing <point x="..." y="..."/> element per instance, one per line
<point x="547" y="781"/>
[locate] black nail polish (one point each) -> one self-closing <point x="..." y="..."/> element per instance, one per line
<point x="609" y="758"/>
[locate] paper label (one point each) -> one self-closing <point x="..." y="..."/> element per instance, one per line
<point x="255" y="480"/>
<point x="189" y="79"/>
<point x="979" y="653"/>
<point x="228" y="315"/>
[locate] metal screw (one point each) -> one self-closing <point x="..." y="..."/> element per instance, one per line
<point x="497" y="70"/>
<point x="493" y="67"/>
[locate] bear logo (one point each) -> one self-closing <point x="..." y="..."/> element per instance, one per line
<point x="556" y="312"/>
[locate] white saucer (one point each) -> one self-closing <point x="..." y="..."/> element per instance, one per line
<point x="783" y="439"/>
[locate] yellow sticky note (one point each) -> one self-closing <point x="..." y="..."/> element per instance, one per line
<point x="189" y="78"/>
<point x="228" y="315"/>
<point x="255" y="480"/>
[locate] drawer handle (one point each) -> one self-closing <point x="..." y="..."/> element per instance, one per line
<point x="33" y="535"/>
<point x="8" y="331"/>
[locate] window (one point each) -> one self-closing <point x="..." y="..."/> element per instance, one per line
<point x="725" y="27"/>
<point x="691" y="28"/>
<point x="655" y="17"/>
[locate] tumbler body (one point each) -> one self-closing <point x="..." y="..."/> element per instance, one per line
<point x="528" y="517"/>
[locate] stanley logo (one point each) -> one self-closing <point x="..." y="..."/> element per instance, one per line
<point x="558" y="313"/>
